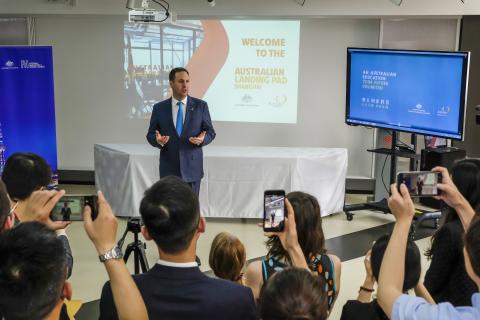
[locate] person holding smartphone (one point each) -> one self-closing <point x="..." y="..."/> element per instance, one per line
<point x="446" y="278"/>
<point x="394" y="303"/>
<point x="102" y="231"/>
<point x="301" y="244"/>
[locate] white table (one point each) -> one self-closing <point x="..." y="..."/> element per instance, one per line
<point x="235" y="177"/>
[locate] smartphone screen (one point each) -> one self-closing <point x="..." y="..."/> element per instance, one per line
<point x="274" y="210"/>
<point x="420" y="183"/>
<point x="70" y="207"/>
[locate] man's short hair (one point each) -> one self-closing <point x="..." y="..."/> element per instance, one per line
<point x="472" y="245"/>
<point x="4" y="205"/>
<point x="24" y="173"/>
<point x="293" y="294"/>
<point x="413" y="266"/>
<point x="32" y="271"/>
<point x="174" y="71"/>
<point x="170" y="212"/>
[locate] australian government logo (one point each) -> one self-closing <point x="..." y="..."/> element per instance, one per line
<point x="9" y="65"/>
<point x="24" y="64"/>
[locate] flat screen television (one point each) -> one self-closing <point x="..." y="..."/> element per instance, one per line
<point x="421" y="92"/>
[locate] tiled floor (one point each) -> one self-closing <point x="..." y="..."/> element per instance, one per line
<point x="347" y="239"/>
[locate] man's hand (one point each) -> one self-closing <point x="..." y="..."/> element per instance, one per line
<point x="198" y="140"/>
<point x="161" y="139"/>
<point x="39" y="206"/>
<point x="400" y="204"/>
<point x="102" y="231"/>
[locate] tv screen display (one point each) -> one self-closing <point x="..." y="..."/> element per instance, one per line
<point x="421" y="92"/>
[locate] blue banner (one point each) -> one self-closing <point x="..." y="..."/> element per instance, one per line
<point x="27" y="103"/>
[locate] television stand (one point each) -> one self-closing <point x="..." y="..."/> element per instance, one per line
<point x="381" y="205"/>
<point x="395" y="151"/>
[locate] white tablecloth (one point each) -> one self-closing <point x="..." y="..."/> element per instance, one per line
<point x="235" y="177"/>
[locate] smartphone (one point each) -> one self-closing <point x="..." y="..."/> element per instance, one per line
<point x="70" y="207"/>
<point x="420" y="183"/>
<point x="274" y="210"/>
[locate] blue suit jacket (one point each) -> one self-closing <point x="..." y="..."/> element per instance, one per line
<point x="178" y="156"/>
<point x="185" y="293"/>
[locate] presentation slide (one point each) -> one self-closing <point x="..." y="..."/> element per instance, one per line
<point x="418" y="92"/>
<point x="247" y="71"/>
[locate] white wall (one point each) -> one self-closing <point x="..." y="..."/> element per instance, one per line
<point x="90" y="107"/>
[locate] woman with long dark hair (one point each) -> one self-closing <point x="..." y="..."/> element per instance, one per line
<point x="447" y="279"/>
<point x="311" y="241"/>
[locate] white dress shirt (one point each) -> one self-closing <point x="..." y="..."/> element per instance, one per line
<point x="175" y="110"/>
<point x="177" y="264"/>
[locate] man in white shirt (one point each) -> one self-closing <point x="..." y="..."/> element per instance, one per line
<point x="399" y="306"/>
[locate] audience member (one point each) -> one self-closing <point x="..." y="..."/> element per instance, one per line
<point x="175" y="288"/>
<point x="227" y="257"/>
<point x="363" y="307"/>
<point x="293" y="294"/>
<point x="103" y="231"/>
<point x="301" y="244"/>
<point x="33" y="273"/>
<point x="6" y="219"/>
<point x="24" y="175"/>
<point x="446" y="279"/>
<point x="33" y="270"/>
<point x="400" y="306"/>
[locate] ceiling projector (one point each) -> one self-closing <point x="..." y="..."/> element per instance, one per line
<point x="144" y="13"/>
<point x="147" y="16"/>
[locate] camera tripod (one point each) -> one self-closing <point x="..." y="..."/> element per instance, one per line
<point x="138" y="247"/>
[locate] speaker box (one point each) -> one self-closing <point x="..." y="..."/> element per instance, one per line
<point x="444" y="157"/>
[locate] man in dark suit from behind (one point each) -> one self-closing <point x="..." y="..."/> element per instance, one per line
<point x="175" y="288"/>
<point x="179" y="127"/>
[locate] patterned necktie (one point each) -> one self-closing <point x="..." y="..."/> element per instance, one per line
<point x="179" y="125"/>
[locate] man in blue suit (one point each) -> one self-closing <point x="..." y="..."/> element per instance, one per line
<point x="179" y="127"/>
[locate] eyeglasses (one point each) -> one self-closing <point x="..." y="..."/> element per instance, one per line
<point x="12" y="211"/>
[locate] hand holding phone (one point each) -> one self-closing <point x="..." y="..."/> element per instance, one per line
<point x="274" y="210"/>
<point x="102" y="231"/>
<point x="289" y="237"/>
<point x="38" y="207"/>
<point x="70" y="207"/>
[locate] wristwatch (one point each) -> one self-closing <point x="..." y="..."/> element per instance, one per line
<point x="114" y="253"/>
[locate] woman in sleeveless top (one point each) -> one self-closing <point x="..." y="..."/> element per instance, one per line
<point x="311" y="240"/>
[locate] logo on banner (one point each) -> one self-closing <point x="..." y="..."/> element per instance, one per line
<point x="9" y="65"/>
<point x="25" y="64"/>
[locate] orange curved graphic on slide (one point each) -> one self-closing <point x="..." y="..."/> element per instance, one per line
<point x="209" y="58"/>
